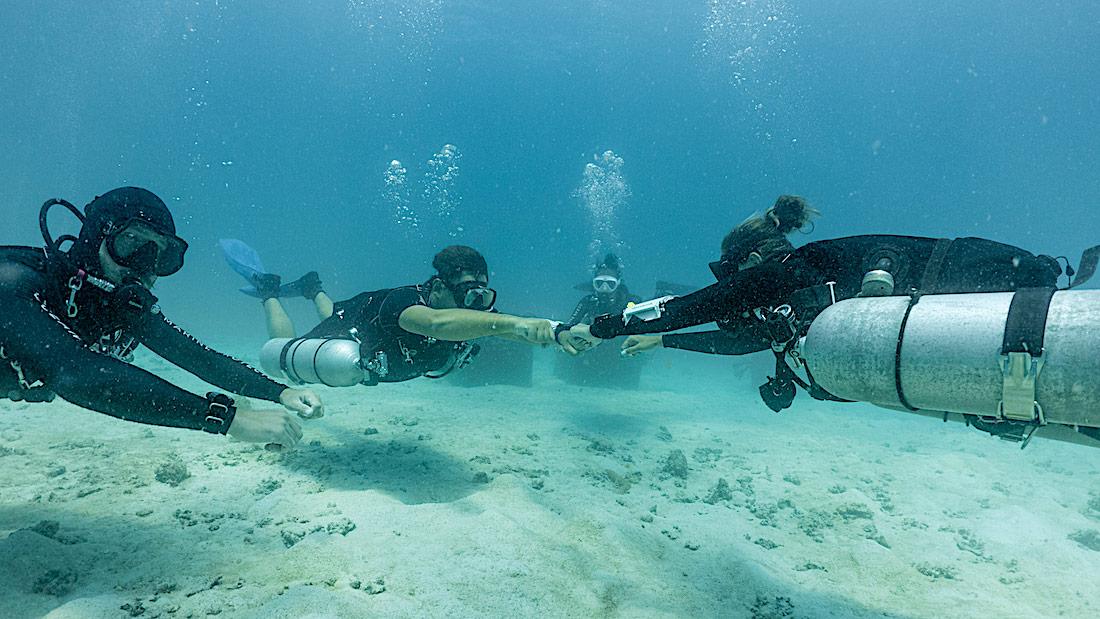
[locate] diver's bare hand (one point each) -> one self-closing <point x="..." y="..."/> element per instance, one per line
<point x="535" y="331"/>
<point x="266" y="426"/>
<point x="578" y="338"/>
<point x="637" y="344"/>
<point x="569" y="344"/>
<point x="305" y="402"/>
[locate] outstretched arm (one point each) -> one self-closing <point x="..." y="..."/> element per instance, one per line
<point x="700" y="307"/>
<point x="457" y="325"/>
<point x="726" y="300"/>
<point x="51" y="352"/>
<point x="748" y="339"/>
<point x="177" y="346"/>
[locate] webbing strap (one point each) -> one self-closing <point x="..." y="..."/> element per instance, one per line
<point x="1027" y="321"/>
<point x="1022" y="354"/>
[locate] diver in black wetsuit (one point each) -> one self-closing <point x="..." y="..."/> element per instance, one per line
<point x="69" y="321"/>
<point x="399" y="333"/>
<point x="760" y="271"/>
<point x="609" y="294"/>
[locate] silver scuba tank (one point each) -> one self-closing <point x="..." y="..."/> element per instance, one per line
<point x="945" y="353"/>
<point x="328" y="361"/>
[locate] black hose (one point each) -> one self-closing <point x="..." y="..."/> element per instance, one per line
<point x="44" y="226"/>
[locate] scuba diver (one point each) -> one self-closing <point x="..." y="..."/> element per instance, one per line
<point x="71" y="319"/>
<point x="388" y="335"/>
<point x="768" y="295"/>
<point x="760" y="268"/>
<point x="609" y="294"/>
<point x="604" y="368"/>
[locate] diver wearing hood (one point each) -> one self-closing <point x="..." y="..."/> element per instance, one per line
<point x="609" y="294"/>
<point x="71" y="319"/>
<point x="760" y="270"/>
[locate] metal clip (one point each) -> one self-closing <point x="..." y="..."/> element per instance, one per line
<point x="378" y="365"/>
<point x="1018" y="402"/>
<point x="76" y="282"/>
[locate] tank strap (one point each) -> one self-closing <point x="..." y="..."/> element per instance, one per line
<point x="288" y="371"/>
<point x="913" y="300"/>
<point x="1022" y="354"/>
<point x="930" y="278"/>
<point x="928" y="282"/>
<point x="1026" y="325"/>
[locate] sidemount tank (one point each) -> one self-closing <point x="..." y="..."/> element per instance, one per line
<point x="333" y="362"/>
<point x="949" y="358"/>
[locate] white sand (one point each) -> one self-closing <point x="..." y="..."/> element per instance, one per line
<point x="834" y="512"/>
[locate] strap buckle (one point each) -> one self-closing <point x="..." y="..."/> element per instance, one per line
<point x="218" y="411"/>
<point x="1020" y="370"/>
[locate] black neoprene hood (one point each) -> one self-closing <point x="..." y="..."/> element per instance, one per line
<point x="114" y="208"/>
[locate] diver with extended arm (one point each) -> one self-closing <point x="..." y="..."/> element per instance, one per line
<point x="894" y="290"/>
<point x="761" y="270"/>
<point x="69" y="321"/>
<point x="388" y="335"/>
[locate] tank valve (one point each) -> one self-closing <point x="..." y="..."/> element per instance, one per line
<point x="877" y="283"/>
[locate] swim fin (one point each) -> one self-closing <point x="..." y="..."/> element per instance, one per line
<point x="246" y="262"/>
<point x="1087" y="267"/>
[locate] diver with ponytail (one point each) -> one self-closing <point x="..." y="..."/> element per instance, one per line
<point x="760" y="272"/>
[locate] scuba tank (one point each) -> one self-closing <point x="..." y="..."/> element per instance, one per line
<point x="1008" y="363"/>
<point x="339" y="362"/>
<point x="333" y="362"/>
<point x="1015" y="364"/>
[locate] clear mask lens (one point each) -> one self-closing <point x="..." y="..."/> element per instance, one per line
<point x="479" y="298"/>
<point x="139" y="247"/>
<point x="605" y="284"/>
<point x="474" y="295"/>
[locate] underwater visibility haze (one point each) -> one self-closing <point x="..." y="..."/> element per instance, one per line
<point x="357" y="138"/>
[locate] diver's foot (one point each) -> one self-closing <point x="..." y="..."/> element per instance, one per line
<point x="267" y="285"/>
<point x="311" y="285"/>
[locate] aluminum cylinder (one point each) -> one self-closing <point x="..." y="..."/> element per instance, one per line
<point x="950" y="356"/>
<point x="327" y="361"/>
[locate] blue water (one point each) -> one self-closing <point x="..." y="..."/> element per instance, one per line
<point x="575" y="127"/>
<point x="275" y="122"/>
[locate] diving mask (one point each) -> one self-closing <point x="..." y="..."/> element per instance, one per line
<point x="605" y="283"/>
<point x="138" y="246"/>
<point x="474" y="295"/>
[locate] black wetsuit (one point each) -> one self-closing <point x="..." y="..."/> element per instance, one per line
<point x="930" y="266"/>
<point x="372" y="319"/>
<point x="46" y="351"/>
<point x="593" y="305"/>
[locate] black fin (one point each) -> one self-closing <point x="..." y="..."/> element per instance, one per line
<point x="1087" y="267"/>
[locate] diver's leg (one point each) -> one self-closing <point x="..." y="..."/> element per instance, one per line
<point x="313" y="290"/>
<point x="278" y="322"/>
<point x="323" y="304"/>
<point x="268" y="286"/>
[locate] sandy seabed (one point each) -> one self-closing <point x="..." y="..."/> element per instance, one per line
<point x="430" y="500"/>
